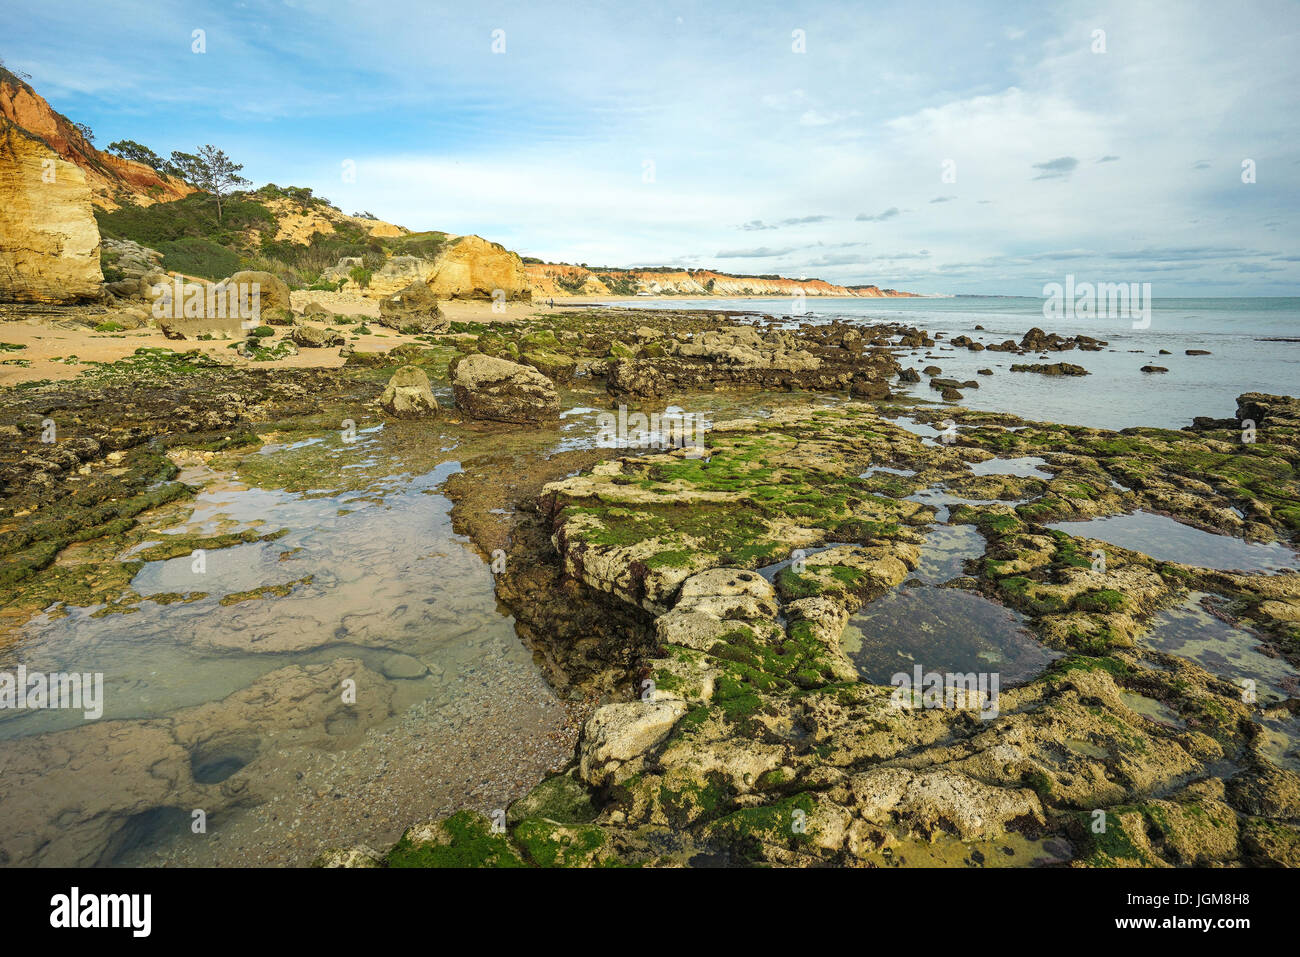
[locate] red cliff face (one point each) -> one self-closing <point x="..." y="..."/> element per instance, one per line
<point x="113" y="181"/>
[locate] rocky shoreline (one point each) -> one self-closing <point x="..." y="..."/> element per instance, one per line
<point x="700" y="593"/>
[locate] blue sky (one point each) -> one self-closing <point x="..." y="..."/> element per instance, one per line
<point x="1122" y="165"/>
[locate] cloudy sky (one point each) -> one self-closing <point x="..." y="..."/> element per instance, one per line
<point x="942" y="147"/>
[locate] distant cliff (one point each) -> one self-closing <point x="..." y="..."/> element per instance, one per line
<point x="560" y="279"/>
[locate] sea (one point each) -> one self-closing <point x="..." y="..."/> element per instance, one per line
<point x="1244" y="336"/>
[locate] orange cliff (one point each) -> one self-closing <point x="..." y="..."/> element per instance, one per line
<point x="562" y="279"/>
<point x="111" y="179"/>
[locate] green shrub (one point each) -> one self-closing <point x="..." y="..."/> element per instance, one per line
<point x="194" y="217"/>
<point x="199" y="257"/>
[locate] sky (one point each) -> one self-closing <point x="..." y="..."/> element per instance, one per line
<point x="952" y="148"/>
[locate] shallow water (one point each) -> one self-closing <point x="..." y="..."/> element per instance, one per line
<point x="1028" y="466"/>
<point x="1168" y="540"/>
<point x="378" y="576"/>
<point x="942" y="501"/>
<point x="1280" y="739"/>
<point x="1151" y="709"/>
<point x="1226" y="650"/>
<point x="942" y="629"/>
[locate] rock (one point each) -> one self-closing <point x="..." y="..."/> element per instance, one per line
<point x="616" y="738"/>
<point x="821" y="358"/>
<point x="315" y="337"/>
<point x="950" y="394"/>
<point x="315" y="311"/>
<point x="125" y="288"/>
<point x="282" y="349"/>
<point x="938" y="801"/>
<point x="985" y="371"/>
<point x="469" y="267"/>
<point x="360" y="856"/>
<point x="399" y="666"/>
<point x="1259" y="407"/>
<point x="1055" y="368"/>
<point x="559" y="369"/>
<point x="408" y="395"/>
<point x="1150" y="369"/>
<point x="909" y="375"/>
<point x="49" y="240"/>
<point x="413" y="310"/>
<point x="932" y="371"/>
<point x="1198" y="352"/>
<point x="278" y="316"/>
<point x="489" y="388"/>
<point x="866" y="388"/>
<point x="272" y="291"/>
<point x="728" y="593"/>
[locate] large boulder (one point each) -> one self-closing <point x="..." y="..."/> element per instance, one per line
<point x="489" y="388"/>
<point x="408" y="395"/>
<point x="49" y="241"/>
<point x="414" y="310"/>
<point x="272" y="292"/>
<point x="315" y="337"/>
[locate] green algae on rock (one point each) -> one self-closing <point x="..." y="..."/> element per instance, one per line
<point x="754" y="741"/>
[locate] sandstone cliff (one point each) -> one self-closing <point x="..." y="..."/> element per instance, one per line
<point x="467" y="267"/>
<point x="113" y="181"/>
<point x="297" y="221"/>
<point x="49" y="242"/>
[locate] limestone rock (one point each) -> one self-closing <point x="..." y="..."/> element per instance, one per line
<point x="617" y="737"/>
<point x="940" y="801"/>
<point x="360" y="856"/>
<point x="729" y="593"/>
<point x="408" y="395"/>
<point x="413" y="309"/>
<point x="490" y="388"/>
<point x="272" y="292"/>
<point x="315" y="337"/>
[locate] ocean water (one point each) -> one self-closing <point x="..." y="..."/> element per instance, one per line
<point x="1115" y="395"/>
